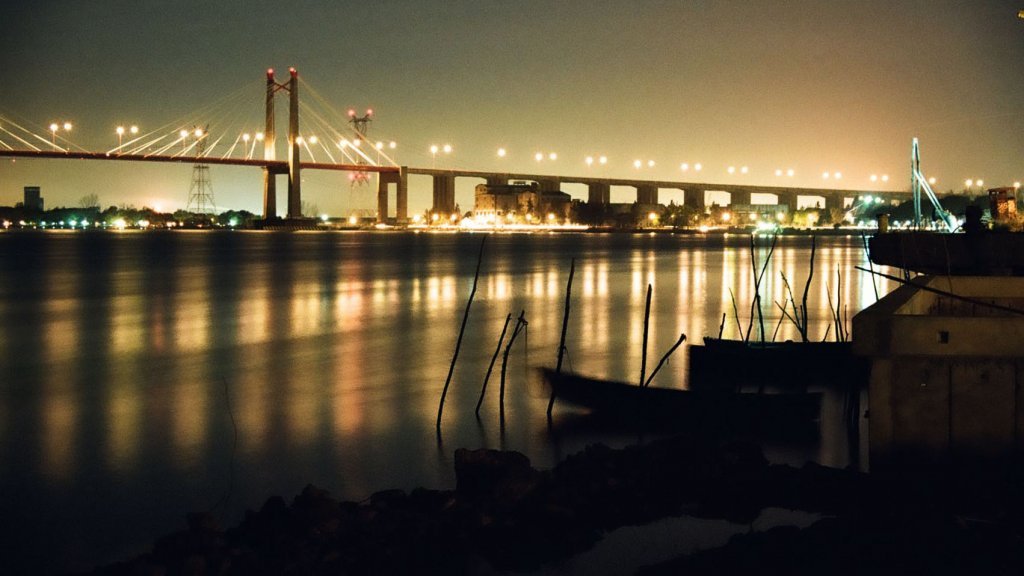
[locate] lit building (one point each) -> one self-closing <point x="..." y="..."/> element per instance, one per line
<point x="519" y="202"/>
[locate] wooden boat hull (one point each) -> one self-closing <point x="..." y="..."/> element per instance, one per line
<point x="703" y="409"/>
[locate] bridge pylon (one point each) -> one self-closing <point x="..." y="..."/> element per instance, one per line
<point x="270" y="153"/>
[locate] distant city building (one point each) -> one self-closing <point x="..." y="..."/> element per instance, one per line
<point x="519" y="202"/>
<point x="749" y="212"/>
<point x="33" y="198"/>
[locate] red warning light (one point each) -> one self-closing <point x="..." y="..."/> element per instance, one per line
<point x="351" y="112"/>
<point x="293" y="72"/>
<point x="369" y="111"/>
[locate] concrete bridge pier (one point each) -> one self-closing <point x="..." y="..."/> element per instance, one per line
<point x="694" y="198"/>
<point x="787" y="198"/>
<point x="739" y="197"/>
<point x="833" y="201"/>
<point x="646" y="194"/>
<point x="444" y="195"/>
<point x="550" y="185"/>
<point x="599" y="194"/>
<point x="401" y="181"/>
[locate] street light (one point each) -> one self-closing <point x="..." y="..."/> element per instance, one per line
<point x="54" y="127"/>
<point x="502" y="153"/>
<point x="120" y="135"/>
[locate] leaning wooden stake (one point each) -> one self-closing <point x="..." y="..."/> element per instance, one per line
<point x="520" y="325"/>
<point x="647" y="323"/>
<point x="458" y="343"/>
<point x="491" y="366"/>
<point x="664" y="358"/>
<point x="565" y="326"/>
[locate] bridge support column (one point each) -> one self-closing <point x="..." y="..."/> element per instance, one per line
<point x="294" y="176"/>
<point x="269" y="194"/>
<point x="739" y="197"/>
<point x="444" y="195"/>
<point x="401" y="182"/>
<point x="269" y="177"/>
<point x="646" y="194"/>
<point x="402" y="196"/>
<point x="694" y="198"/>
<point x="550" y="185"/>
<point x="833" y="201"/>
<point x="789" y="199"/>
<point x="599" y="194"/>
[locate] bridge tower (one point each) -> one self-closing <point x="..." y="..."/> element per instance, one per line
<point x="269" y="152"/>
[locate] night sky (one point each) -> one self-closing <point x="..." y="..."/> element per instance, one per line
<point x="809" y="85"/>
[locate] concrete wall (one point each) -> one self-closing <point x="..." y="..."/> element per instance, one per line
<point x="947" y="379"/>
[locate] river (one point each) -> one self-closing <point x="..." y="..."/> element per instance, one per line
<point x="149" y="374"/>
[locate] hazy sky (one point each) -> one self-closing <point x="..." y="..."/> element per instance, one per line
<point x="810" y="85"/>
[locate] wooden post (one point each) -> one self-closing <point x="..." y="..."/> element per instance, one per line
<point x="565" y="325"/>
<point x="520" y="324"/>
<point x="458" y="343"/>
<point x="647" y="321"/>
<point x="491" y="366"/>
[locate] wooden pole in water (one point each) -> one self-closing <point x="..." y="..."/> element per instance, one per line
<point x="664" y="358"/>
<point x="565" y="326"/>
<point x="458" y="343"/>
<point x="520" y="324"/>
<point x="491" y="366"/>
<point x="647" y="322"/>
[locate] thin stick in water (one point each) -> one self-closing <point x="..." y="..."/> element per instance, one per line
<point x="565" y="326"/>
<point x="665" y="358"/>
<point x="458" y="343"/>
<point x="520" y="325"/>
<point x="647" y="322"/>
<point x="490" y="367"/>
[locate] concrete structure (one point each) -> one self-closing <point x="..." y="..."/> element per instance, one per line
<point x="520" y="201"/>
<point x="270" y="171"/>
<point x="647" y="191"/>
<point x="33" y="199"/>
<point x="946" y="374"/>
<point x="401" y="182"/>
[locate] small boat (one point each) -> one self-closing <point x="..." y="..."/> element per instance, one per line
<point x="685" y="408"/>
<point x="791" y="366"/>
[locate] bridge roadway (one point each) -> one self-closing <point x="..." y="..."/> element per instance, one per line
<point x="444" y="182"/>
<point x="694" y="193"/>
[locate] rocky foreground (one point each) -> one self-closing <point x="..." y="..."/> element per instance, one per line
<point x="505" y="515"/>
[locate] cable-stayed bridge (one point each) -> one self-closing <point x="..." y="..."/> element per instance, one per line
<point x="338" y="141"/>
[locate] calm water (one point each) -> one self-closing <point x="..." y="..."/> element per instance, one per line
<point x="127" y="357"/>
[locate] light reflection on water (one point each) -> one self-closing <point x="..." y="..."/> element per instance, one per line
<point x="131" y="358"/>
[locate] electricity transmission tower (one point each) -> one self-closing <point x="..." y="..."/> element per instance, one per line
<point x="200" y="193"/>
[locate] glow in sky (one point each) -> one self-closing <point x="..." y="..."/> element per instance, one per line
<point x="809" y="86"/>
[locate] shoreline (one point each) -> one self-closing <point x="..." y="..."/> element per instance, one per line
<point x="503" y="515"/>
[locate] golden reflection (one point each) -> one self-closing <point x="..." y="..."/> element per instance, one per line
<point x="305" y="309"/>
<point x="59" y="418"/>
<point x="253" y="315"/>
<point x="127" y="324"/>
<point x="252" y="414"/>
<point x="588" y="279"/>
<point x="188" y="417"/>
<point x="123" y="415"/>
<point x="60" y="329"/>
<point x="192" y="313"/>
